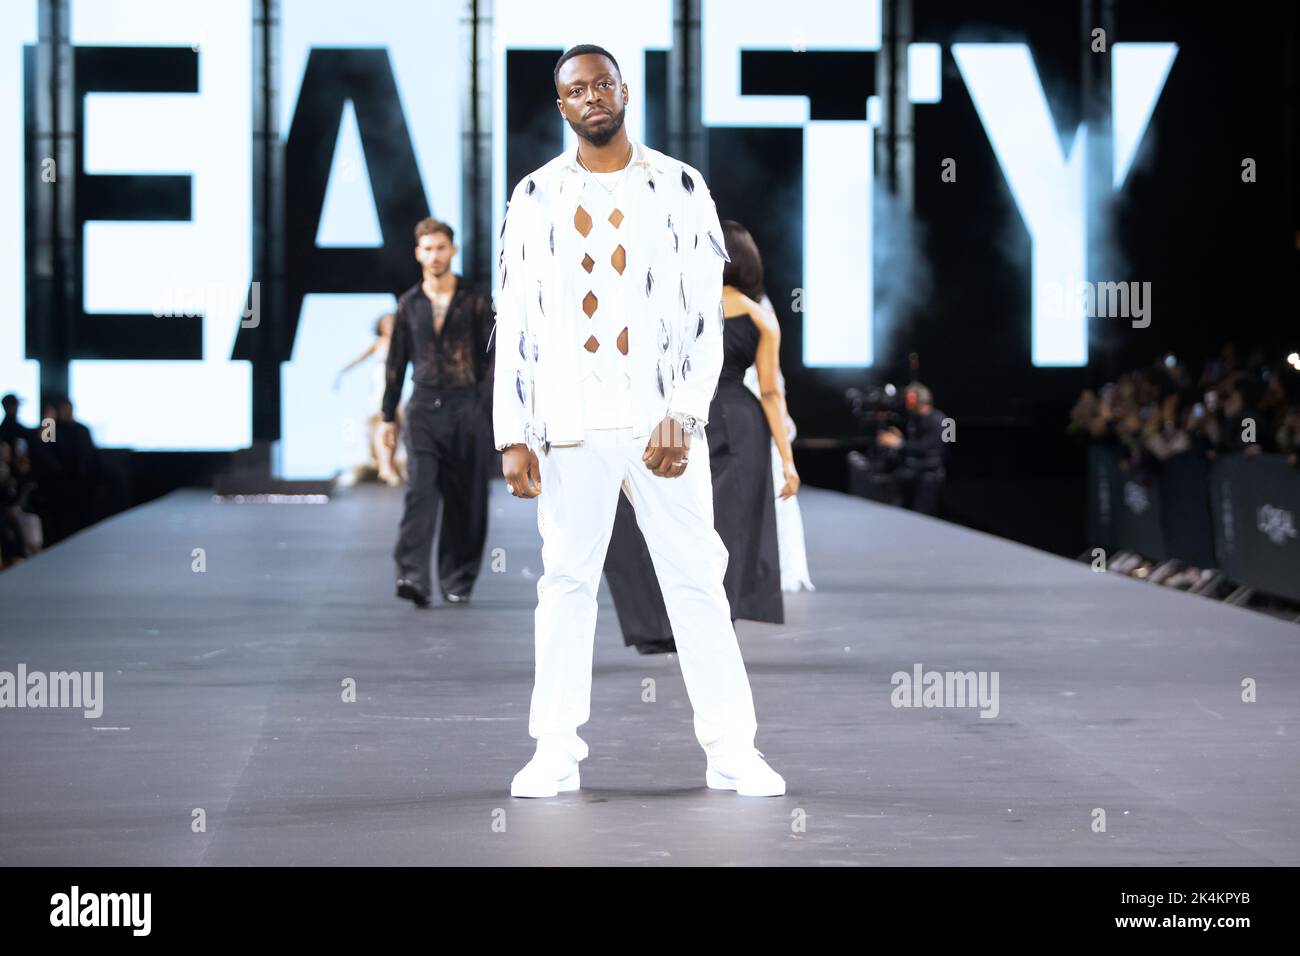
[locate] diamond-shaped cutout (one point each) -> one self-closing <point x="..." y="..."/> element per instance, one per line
<point x="619" y="259"/>
<point x="616" y="217"/>
<point x="591" y="344"/>
<point x="582" y="221"/>
<point x="622" y="340"/>
<point x="589" y="303"/>
<point x="588" y="263"/>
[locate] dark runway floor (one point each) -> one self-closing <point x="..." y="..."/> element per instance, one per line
<point x="223" y="694"/>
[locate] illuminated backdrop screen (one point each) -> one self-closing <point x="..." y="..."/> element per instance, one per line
<point x="970" y="244"/>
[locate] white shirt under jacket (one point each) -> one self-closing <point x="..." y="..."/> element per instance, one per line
<point x="561" y="303"/>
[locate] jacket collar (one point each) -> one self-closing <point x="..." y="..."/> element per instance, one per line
<point x="642" y="155"/>
<point x="463" y="287"/>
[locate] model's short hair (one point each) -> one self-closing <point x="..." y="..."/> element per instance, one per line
<point x="745" y="270"/>
<point x="427" y="227"/>
<point x="582" y="49"/>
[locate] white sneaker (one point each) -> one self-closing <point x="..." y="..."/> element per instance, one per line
<point x="746" y="773"/>
<point x="550" y="772"/>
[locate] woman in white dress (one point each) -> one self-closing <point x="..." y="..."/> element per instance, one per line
<point x="387" y="462"/>
<point x="789" y="519"/>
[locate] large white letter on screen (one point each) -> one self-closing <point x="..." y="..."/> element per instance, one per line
<point x="17" y="372"/>
<point x="1049" y="185"/>
<point x="325" y="429"/>
<point x="198" y="267"/>
<point x="838" y="283"/>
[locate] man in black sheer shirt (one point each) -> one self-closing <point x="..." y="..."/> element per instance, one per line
<point x="443" y="327"/>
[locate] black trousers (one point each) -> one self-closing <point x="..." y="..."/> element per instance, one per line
<point x="450" y="452"/>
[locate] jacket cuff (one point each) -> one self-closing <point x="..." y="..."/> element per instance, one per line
<point x="691" y="423"/>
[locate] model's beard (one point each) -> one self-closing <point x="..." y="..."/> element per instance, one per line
<point x="603" y="135"/>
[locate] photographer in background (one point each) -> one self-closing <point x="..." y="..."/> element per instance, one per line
<point x="922" y="449"/>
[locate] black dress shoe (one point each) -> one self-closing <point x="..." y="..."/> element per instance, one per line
<point x="412" y="592"/>
<point x="657" y="647"/>
<point x="453" y="597"/>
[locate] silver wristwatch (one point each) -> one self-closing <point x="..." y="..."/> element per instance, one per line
<point x="689" y="422"/>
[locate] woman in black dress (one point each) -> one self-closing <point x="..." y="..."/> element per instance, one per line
<point x="740" y="432"/>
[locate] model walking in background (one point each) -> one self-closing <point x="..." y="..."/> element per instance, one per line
<point x="443" y="327"/>
<point x="383" y="458"/>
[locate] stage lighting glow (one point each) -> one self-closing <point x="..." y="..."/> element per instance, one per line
<point x="1293" y="360"/>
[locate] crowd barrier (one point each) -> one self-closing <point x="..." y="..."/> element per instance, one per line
<point x="1237" y="513"/>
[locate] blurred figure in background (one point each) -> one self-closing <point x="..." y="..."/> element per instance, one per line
<point x="13" y="543"/>
<point x="1288" y="435"/>
<point x="21" y="534"/>
<point x="920" y="475"/>
<point x="385" y="460"/>
<point x="76" y="490"/>
<point x="10" y="428"/>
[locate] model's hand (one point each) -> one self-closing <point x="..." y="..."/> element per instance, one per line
<point x="666" y="452"/>
<point x="522" y="470"/>
<point x="388" y="434"/>
<point x="792" y="481"/>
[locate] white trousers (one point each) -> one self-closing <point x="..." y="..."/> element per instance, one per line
<point x="575" y="515"/>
